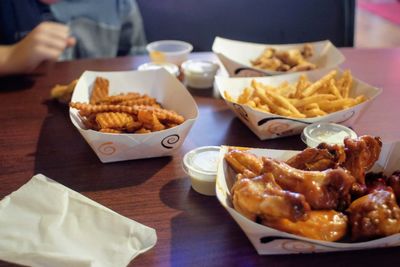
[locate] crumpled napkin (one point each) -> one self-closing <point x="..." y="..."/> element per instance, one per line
<point x="47" y="224"/>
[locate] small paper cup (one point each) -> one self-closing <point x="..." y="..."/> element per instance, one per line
<point x="159" y="84"/>
<point x="171" y="51"/>
<point x="267" y="125"/>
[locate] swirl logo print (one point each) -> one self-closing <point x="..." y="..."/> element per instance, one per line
<point x="169" y="141"/>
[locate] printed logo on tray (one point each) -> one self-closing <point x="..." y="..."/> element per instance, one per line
<point x="290" y="245"/>
<point x="347" y="116"/>
<point x="240" y="110"/>
<point x="297" y="246"/>
<point x="169" y="141"/>
<point x="107" y="148"/>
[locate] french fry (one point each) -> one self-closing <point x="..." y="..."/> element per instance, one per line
<point x="302" y="84"/>
<point x="246" y="95"/>
<point x="285" y="103"/>
<point x="315" y="112"/>
<point x="334" y="90"/>
<point x="318" y="84"/>
<point x="302" y="99"/>
<point x="348" y="84"/>
<point x="312" y="99"/>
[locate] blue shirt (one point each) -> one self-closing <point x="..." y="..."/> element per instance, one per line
<point x="19" y="17"/>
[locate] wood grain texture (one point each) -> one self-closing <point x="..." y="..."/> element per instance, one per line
<point x="36" y="136"/>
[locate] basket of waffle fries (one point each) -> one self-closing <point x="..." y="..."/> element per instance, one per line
<point x="283" y="105"/>
<point x="243" y="59"/>
<point x="132" y="114"/>
<point x="323" y="199"/>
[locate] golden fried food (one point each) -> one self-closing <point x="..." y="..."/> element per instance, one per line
<point x="326" y="225"/>
<point x="307" y="194"/>
<point x="329" y="189"/>
<point x="285" y="60"/>
<point x="150" y="120"/>
<point x="113" y="120"/>
<point x="63" y="93"/>
<point x="262" y="198"/>
<point x="374" y="215"/>
<point x="320" y="158"/>
<point x="244" y="163"/>
<point x="124" y="113"/>
<point x="100" y="90"/>
<point x="162" y="114"/>
<point x="116" y="99"/>
<point x="305" y="99"/>
<point x="361" y="155"/>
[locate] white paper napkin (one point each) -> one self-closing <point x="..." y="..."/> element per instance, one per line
<point x="47" y="224"/>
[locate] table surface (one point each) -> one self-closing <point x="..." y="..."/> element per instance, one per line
<point x="36" y="136"/>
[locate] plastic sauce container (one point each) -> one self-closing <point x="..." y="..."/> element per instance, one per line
<point x="172" y="51"/>
<point x="330" y="133"/>
<point x="201" y="165"/>
<point x="199" y="73"/>
<point x="171" y="68"/>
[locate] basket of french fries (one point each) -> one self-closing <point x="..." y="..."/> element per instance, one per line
<point x="289" y="202"/>
<point x="283" y="105"/>
<point x="132" y="114"/>
<point x="244" y="59"/>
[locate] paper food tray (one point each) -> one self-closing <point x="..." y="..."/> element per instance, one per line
<point x="156" y="83"/>
<point x="267" y="125"/>
<point x="268" y="241"/>
<point x="236" y="56"/>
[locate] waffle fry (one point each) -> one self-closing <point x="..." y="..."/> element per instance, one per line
<point x="63" y="93"/>
<point x="124" y="113"/>
<point x="116" y="99"/>
<point x="304" y="99"/>
<point x="150" y="120"/>
<point x="100" y="90"/>
<point x="113" y="120"/>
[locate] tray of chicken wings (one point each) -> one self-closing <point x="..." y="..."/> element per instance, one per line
<point x="328" y="198"/>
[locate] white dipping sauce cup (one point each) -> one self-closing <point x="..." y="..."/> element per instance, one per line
<point x="201" y="165"/>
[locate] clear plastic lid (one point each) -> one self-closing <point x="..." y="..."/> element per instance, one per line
<point x="201" y="165"/>
<point x="171" y="68"/>
<point x="199" y="67"/>
<point x="324" y="132"/>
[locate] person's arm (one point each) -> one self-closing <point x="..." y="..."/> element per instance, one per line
<point x="46" y="42"/>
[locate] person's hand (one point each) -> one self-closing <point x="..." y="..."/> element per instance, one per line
<point x="46" y="42"/>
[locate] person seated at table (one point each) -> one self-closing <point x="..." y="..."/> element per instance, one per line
<point x="33" y="31"/>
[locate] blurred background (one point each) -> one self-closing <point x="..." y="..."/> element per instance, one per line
<point x="377" y="23"/>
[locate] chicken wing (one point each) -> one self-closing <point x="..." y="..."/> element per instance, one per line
<point x="374" y="215"/>
<point x="361" y="154"/>
<point x="326" y="225"/>
<point x="318" y="159"/>
<point x="261" y="197"/>
<point x="244" y="163"/>
<point x="329" y="189"/>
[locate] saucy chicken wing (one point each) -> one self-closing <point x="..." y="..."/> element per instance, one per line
<point x="374" y="215"/>
<point x="320" y="158"/>
<point x="329" y="189"/>
<point x="327" y="225"/>
<point x="244" y="163"/>
<point x="361" y="154"/>
<point x="261" y="197"/>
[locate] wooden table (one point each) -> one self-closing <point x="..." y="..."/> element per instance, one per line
<point x="36" y="136"/>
